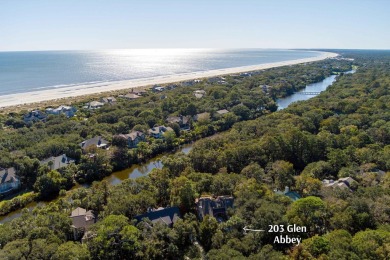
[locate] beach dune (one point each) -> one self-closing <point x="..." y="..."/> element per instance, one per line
<point x="82" y="90"/>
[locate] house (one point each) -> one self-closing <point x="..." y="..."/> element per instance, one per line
<point x="216" y="207"/>
<point x="34" y="116"/>
<point x="8" y="181"/>
<point x="167" y="216"/>
<point x="342" y="183"/>
<point x="291" y="194"/>
<point x="215" y="79"/>
<point x="108" y="100"/>
<point x="133" y="138"/>
<point x="58" y="162"/>
<point x="97" y="141"/>
<point x="265" y="88"/>
<point x="219" y="80"/>
<point x="246" y="74"/>
<point x="199" y="93"/>
<point x="202" y="116"/>
<point x="222" y="112"/>
<point x="68" y="111"/>
<point x="188" y="83"/>
<point x="130" y="96"/>
<point x="141" y="93"/>
<point x="81" y="221"/>
<point x="182" y="121"/>
<point x="159" y="89"/>
<point x="171" y="86"/>
<point x="94" y="105"/>
<point x="174" y="119"/>
<point x="158" y="131"/>
<point x="185" y="122"/>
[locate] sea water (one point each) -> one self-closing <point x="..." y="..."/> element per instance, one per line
<point x="39" y="70"/>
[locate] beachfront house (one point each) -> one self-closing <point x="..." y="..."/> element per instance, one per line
<point x="108" y="100"/>
<point x="9" y="182"/>
<point x="215" y="207"/>
<point x="57" y="162"/>
<point x="81" y="221"/>
<point x="97" y="141"/>
<point x="218" y="80"/>
<point x="157" y="88"/>
<point x="158" y="131"/>
<point x="94" y="105"/>
<point x="130" y="96"/>
<point x="68" y="111"/>
<point x="187" y="83"/>
<point x="167" y="216"/>
<point x="34" y="116"/>
<point x="141" y="93"/>
<point x="171" y="86"/>
<point x="133" y="138"/>
<point x="246" y="74"/>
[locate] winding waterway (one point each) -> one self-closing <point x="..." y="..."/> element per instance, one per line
<point x="140" y="170"/>
<point x="136" y="171"/>
<point x="314" y="87"/>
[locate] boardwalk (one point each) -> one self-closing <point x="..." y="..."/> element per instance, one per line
<point x="308" y="93"/>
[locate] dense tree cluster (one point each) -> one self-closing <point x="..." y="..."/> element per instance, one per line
<point x="342" y="132"/>
<point x="23" y="145"/>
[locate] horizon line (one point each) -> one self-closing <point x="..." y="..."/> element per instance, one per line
<point x="210" y="49"/>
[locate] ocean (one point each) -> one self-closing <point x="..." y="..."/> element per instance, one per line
<point x="27" y="71"/>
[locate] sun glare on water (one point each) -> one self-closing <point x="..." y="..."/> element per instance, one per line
<point x="155" y="53"/>
<point x="151" y="59"/>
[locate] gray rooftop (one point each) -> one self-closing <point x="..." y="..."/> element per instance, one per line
<point x="97" y="141"/>
<point x="132" y="135"/>
<point x="81" y="218"/>
<point x="222" y="111"/>
<point x="58" y="161"/>
<point x="167" y="216"/>
<point x="8" y="175"/>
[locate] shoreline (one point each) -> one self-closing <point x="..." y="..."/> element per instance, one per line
<point x="39" y="98"/>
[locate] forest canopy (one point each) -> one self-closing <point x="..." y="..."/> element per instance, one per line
<point x="341" y="135"/>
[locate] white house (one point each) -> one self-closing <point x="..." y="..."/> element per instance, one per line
<point x="66" y="110"/>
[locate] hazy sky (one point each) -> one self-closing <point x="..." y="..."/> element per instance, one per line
<point x="112" y="24"/>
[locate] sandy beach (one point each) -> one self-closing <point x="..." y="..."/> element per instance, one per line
<point x="22" y="99"/>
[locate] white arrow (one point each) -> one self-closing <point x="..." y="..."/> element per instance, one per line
<point x="254" y="230"/>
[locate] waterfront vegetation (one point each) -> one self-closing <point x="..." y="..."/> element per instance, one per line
<point x="17" y="202"/>
<point x="23" y="145"/>
<point x="343" y="132"/>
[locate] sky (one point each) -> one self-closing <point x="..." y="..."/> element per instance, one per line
<point x="127" y="24"/>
